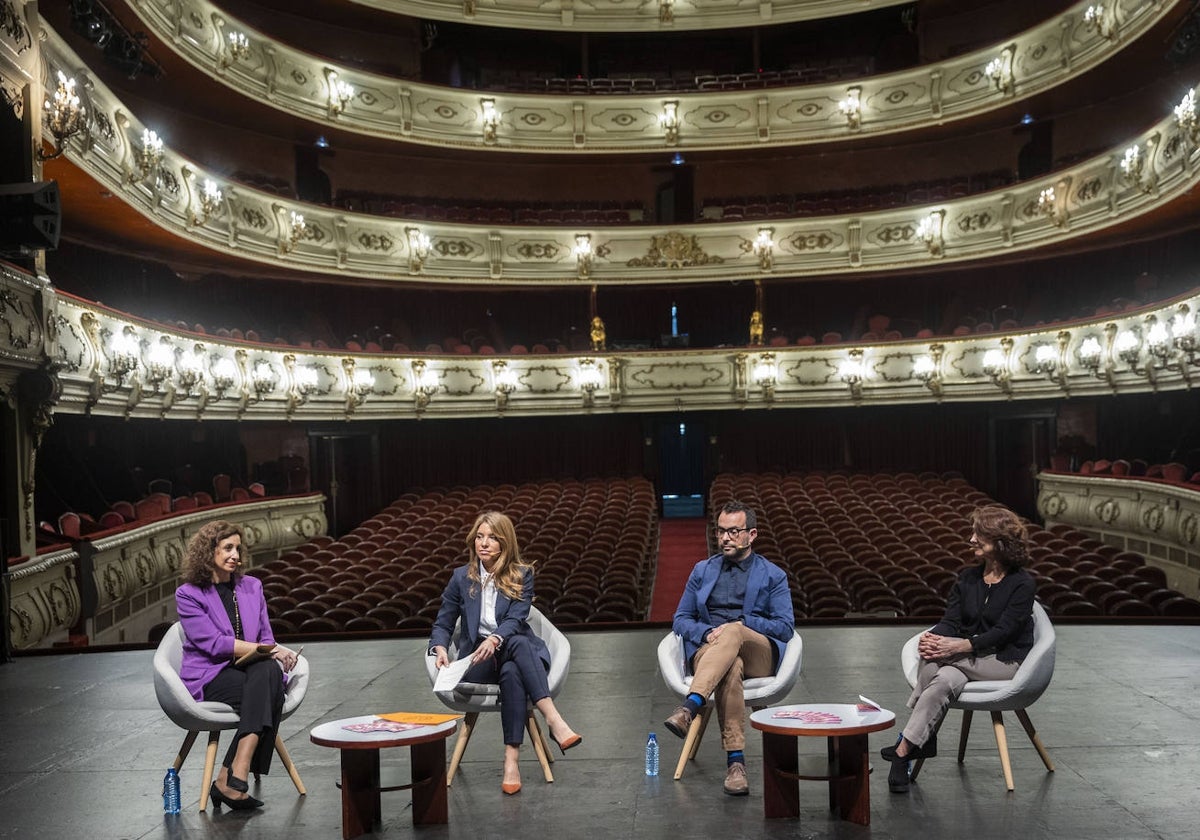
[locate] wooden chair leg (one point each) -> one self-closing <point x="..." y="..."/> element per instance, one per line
<point x="544" y="733"/>
<point x="962" y="736"/>
<point x="539" y="745"/>
<point x="1002" y="745"/>
<point x="692" y="742"/>
<point x="210" y="762"/>
<point x="460" y="745"/>
<point x="1023" y="716"/>
<point x="188" y="740"/>
<point x="288" y="765"/>
<point x="705" y="716"/>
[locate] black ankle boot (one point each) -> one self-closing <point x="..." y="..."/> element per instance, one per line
<point x="898" y="777"/>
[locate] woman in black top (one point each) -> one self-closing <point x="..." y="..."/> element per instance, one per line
<point x="985" y="634"/>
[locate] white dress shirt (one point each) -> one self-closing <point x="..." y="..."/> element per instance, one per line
<point x="487" y="602"/>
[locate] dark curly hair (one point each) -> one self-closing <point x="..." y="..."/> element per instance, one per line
<point x="196" y="567"/>
<point x="1005" y="530"/>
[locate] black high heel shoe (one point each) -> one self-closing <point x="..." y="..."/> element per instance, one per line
<point x="218" y="798"/>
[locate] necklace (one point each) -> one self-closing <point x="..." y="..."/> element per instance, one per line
<point x="237" y="617"/>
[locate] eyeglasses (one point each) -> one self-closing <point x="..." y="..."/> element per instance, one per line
<point x="732" y="532"/>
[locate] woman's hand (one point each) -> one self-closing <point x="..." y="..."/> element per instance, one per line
<point x="441" y="658"/>
<point x="486" y="650"/>
<point x="286" y="657"/>
<point x="932" y="646"/>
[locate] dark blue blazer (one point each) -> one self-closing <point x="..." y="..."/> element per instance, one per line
<point x="461" y="607"/>
<point x="766" y="609"/>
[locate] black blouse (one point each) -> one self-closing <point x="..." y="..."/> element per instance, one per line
<point x="997" y="618"/>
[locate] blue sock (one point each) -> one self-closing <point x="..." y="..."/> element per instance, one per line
<point x="693" y="702"/>
<point x="735" y="755"/>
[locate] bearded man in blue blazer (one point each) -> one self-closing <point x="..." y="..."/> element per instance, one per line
<point x="735" y="619"/>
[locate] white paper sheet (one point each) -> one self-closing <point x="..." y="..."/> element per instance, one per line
<point x="452" y="674"/>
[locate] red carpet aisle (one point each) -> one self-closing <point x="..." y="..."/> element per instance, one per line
<point x="682" y="544"/>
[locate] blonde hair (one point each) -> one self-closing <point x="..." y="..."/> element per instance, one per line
<point x="509" y="572"/>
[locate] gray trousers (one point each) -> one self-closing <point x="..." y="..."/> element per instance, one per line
<point x="940" y="682"/>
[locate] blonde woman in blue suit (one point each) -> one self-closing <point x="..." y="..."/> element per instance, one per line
<point x="491" y="596"/>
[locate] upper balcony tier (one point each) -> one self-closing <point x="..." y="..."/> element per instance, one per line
<point x="626" y="15"/>
<point x="1033" y="62"/>
<point x="1127" y="187"/>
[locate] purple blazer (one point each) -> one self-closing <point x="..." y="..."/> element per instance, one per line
<point x="208" y="633"/>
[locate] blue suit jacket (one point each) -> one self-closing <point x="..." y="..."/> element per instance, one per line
<point x="209" y="633"/>
<point x="459" y="604"/>
<point x="767" y="608"/>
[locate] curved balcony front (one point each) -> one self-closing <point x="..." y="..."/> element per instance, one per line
<point x="281" y="77"/>
<point x="112" y="364"/>
<point x="1116" y="188"/>
<point x="626" y="15"/>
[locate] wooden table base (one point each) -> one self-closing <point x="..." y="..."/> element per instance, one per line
<point x="847" y="772"/>
<point x="361" y="807"/>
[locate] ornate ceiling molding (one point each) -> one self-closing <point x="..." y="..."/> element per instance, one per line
<point x="626" y="15"/>
<point x="110" y="364"/>
<point x="254" y="65"/>
<point x="180" y="196"/>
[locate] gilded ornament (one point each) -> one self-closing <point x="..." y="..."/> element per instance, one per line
<point x="810" y="241"/>
<point x="896" y="233"/>
<point x="674" y="250"/>
<point x="756" y="329"/>
<point x="454" y="248"/>
<point x="1089" y="190"/>
<point x="376" y="241"/>
<point x="254" y="217"/>
<point x="599" y="338"/>
<point x="971" y="222"/>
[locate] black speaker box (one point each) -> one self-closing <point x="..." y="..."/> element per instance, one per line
<point x="30" y="217"/>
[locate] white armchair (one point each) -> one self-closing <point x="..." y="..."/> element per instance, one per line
<point x="759" y="692"/>
<point x="998" y="696"/>
<point x="196" y="716"/>
<point x="473" y="698"/>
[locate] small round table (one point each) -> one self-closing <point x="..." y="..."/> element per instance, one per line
<point x="361" y="810"/>
<point x="847" y="767"/>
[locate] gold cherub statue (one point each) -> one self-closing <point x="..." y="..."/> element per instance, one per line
<point x="598" y="336"/>
<point x="756" y="329"/>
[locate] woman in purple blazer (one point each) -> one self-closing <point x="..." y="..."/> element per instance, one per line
<point x="224" y="616"/>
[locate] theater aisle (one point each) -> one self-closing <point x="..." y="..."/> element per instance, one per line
<point x="682" y="543"/>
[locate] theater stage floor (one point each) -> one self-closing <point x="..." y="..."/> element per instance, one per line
<point x="84" y="749"/>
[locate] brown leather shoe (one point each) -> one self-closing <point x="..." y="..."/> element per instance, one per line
<point x="736" y="783"/>
<point x="679" y="722"/>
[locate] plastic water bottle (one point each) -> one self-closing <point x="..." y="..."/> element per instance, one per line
<point x="171" y="792"/>
<point x="652" y="755"/>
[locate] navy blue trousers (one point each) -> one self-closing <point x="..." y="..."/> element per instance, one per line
<point x="521" y="675"/>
